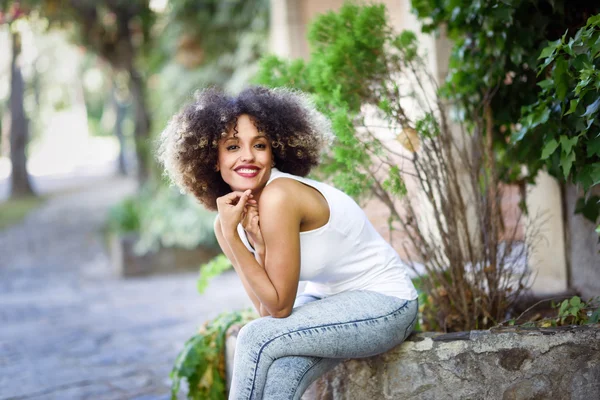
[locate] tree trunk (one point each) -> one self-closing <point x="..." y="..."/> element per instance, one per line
<point x="142" y="125"/>
<point x="19" y="135"/>
<point x="137" y="88"/>
<point x="120" y="113"/>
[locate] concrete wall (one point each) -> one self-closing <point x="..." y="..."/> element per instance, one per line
<point x="584" y="246"/>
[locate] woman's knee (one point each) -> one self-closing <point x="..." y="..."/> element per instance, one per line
<point x="254" y="333"/>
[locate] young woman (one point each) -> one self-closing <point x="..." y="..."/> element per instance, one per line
<point x="246" y="157"/>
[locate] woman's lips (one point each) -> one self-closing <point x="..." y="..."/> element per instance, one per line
<point x="247" y="172"/>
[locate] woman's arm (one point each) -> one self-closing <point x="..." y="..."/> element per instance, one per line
<point x="276" y="284"/>
<point x="225" y="247"/>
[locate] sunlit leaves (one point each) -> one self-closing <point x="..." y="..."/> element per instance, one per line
<point x="354" y="63"/>
<point x="202" y="361"/>
<point x="394" y="182"/>
<point x="213" y="268"/>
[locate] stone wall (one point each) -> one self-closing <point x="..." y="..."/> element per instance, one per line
<point x="558" y="363"/>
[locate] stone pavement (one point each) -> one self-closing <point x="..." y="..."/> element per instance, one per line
<point x="69" y="330"/>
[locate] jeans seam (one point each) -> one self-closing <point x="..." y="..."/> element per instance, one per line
<point x="303" y="375"/>
<point x="317" y="327"/>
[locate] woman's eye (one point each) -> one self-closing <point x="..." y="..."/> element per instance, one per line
<point x="232" y="147"/>
<point x="260" y="146"/>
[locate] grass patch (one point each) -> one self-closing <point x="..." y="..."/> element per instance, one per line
<point x="13" y="211"/>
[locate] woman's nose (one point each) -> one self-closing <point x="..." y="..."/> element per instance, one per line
<point x="247" y="154"/>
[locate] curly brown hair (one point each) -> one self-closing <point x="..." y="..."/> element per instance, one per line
<point x="188" y="147"/>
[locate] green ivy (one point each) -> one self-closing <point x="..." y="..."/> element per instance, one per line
<point x="494" y="54"/>
<point x="163" y="217"/>
<point x="566" y="114"/>
<point x="201" y="363"/>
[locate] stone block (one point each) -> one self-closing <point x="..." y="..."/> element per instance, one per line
<point x="507" y="364"/>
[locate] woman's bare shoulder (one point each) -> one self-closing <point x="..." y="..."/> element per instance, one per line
<point x="282" y="191"/>
<point x="283" y="187"/>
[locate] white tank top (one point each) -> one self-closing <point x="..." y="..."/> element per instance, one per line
<point x="346" y="253"/>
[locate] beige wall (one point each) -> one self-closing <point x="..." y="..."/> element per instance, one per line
<point x="547" y="256"/>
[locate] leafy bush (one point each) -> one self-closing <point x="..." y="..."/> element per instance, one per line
<point x="202" y="361"/>
<point x="164" y="218"/>
<point x="125" y="216"/>
<point x="567" y="113"/>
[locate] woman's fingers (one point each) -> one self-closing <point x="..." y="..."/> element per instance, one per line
<point x="250" y="213"/>
<point x="243" y="199"/>
<point x="233" y="198"/>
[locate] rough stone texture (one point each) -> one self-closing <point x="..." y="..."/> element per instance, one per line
<point x="507" y="365"/>
<point x="512" y="364"/>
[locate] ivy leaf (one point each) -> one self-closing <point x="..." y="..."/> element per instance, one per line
<point x="592" y="109"/>
<point x="572" y="106"/>
<point x="561" y="78"/>
<point x="566" y="162"/>
<point x="594" y="20"/>
<point x="575" y="301"/>
<point x="590" y="209"/>
<point x="548" y="50"/>
<point x="563" y="307"/>
<point x="589" y="176"/>
<point x="567" y="144"/>
<point x="593" y="147"/>
<point x="549" y="149"/>
<point x="596" y="315"/>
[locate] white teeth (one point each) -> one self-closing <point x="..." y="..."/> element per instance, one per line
<point x="247" y="170"/>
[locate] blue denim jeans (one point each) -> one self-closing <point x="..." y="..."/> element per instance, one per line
<point x="278" y="358"/>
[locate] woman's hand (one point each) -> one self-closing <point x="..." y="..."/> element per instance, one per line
<point x="251" y="225"/>
<point x="231" y="209"/>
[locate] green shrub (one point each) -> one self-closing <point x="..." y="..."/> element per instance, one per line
<point x="202" y="361"/>
<point x="215" y="267"/>
<point x="163" y="218"/>
<point x="567" y="113"/>
<point x="125" y="216"/>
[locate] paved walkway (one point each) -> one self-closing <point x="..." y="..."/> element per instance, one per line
<point x="69" y="330"/>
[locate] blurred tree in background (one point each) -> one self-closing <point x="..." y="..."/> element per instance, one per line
<point x="18" y="121"/>
<point x="141" y="60"/>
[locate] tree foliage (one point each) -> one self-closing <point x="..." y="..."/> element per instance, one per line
<point x="495" y="61"/>
<point x="494" y="58"/>
<point x="566" y="114"/>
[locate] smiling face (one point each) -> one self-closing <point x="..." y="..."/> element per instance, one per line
<point x="245" y="157"/>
